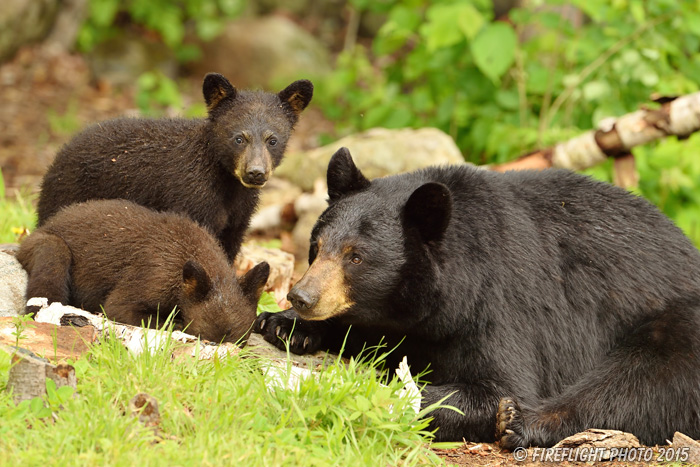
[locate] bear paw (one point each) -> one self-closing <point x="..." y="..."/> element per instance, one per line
<point x="510" y="425"/>
<point x="286" y="330"/>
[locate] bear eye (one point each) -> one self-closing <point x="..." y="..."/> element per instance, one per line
<point x="272" y="142"/>
<point x="356" y="259"/>
<point x="238" y="140"/>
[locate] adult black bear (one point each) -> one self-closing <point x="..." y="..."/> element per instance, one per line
<point x="208" y="169"/>
<point x="139" y="264"/>
<point x="572" y="302"/>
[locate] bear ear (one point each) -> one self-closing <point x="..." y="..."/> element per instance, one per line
<point x="253" y="281"/>
<point x="428" y="210"/>
<point x="195" y="281"/>
<point x="297" y="95"/>
<point x="343" y="176"/>
<point x="216" y="88"/>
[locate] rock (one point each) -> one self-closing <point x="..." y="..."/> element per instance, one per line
<point x="608" y="441"/>
<point x="121" y="60"/>
<point x="275" y="198"/>
<point x="377" y="152"/>
<point x="265" y="52"/>
<point x="23" y="22"/>
<point x="13" y="285"/>
<point x="281" y="269"/>
<point x="308" y="207"/>
<point x="688" y="445"/>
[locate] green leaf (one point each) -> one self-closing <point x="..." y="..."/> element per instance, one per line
<point x="64" y="393"/>
<point x="268" y="303"/>
<point x="595" y="90"/>
<point x="470" y="20"/>
<point x="450" y="24"/>
<point x="637" y="10"/>
<point x="494" y="50"/>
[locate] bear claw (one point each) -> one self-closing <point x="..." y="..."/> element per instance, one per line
<point x="509" y="425"/>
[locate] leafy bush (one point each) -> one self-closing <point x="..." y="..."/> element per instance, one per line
<point x="168" y="19"/>
<point x="503" y="88"/>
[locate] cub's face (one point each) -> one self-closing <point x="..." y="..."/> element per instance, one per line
<point x="220" y="308"/>
<point x="250" y="129"/>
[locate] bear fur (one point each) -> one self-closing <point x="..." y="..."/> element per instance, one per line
<point x="572" y="303"/>
<point x="208" y="169"/>
<point x="138" y="265"/>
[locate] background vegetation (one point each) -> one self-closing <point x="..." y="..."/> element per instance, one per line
<point x="540" y="75"/>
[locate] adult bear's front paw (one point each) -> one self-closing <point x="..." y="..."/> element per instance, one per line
<point x="286" y="329"/>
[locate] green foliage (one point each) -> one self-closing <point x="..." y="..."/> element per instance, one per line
<point x="212" y="412"/>
<point x="16" y="215"/>
<point x="21" y="324"/>
<point x="501" y="89"/>
<point x="170" y="20"/>
<point x="268" y="303"/>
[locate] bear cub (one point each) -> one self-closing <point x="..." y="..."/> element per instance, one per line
<point x="138" y="265"/>
<point x="542" y="303"/>
<point x="208" y="169"/>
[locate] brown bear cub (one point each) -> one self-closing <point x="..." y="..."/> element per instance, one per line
<point x="209" y="169"/>
<point x="138" y="265"/>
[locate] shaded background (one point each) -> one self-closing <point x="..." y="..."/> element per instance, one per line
<point x="499" y="78"/>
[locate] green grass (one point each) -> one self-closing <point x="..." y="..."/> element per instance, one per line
<point x="16" y="215"/>
<point x="213" y="413"/>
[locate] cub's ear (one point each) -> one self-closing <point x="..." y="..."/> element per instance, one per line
<point x="297" y="95"/>
<point x="195" y="281"/>
<point x="253" y="281"/>
<point x="343" y="176"/>
<point x="216" y="88"/>
<point x="428" y="211"/>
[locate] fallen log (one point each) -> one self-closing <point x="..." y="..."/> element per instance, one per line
<point x="615" y="137"/>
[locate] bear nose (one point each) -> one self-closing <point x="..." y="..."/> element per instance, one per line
<point x="256" y="175"/>
<point x="301" y="299"/>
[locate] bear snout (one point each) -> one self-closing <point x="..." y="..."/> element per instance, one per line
<point x="255" y="176"/>
<point x="302" y="300"/>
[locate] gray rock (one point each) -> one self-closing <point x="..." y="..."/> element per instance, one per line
<point x="123" y="59"/>
<point x="13" y="285"/>
<point x="377" y="152"/>
<point x="23" y="22"/>
<point x="265" y="52"/>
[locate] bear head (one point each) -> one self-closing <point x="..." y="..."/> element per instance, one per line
<point x="248" y="130"/>
<point x="370" y="245"/>
<point x="223" y="310"/>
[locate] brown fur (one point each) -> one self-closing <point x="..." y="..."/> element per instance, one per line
<point x="138" y="265"/>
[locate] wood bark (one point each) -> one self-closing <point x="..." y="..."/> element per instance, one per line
<point x="615" y="137"/>
<point x="28" y="375"/>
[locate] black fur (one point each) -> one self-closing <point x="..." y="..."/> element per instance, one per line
<point x="572" y="300"/>
<point x="207" y="169"/>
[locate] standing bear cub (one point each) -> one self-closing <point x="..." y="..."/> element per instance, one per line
<point x="208" y="169"/>
<point x="138" y="265"/>
<point x="571" y="303"/>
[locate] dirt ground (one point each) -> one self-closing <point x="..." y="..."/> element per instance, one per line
<point x="490" y="455"/>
